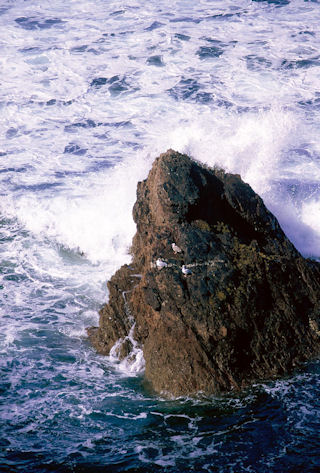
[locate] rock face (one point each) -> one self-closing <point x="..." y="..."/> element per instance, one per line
<point x="231" y="302"/>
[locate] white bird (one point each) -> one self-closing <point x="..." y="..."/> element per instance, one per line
<point x="161" y="264"/>
<point x="186" y="270"/>
<point x="176" y="248"/>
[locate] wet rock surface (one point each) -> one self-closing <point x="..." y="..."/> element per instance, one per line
<point x="216" y="295"/>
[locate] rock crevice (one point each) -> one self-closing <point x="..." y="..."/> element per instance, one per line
<point x="237" y="303"/>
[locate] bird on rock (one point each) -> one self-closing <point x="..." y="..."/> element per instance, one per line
<point x="186" y="270"/>
<point x="161" y="264"/>
<point x="176" y="248"/>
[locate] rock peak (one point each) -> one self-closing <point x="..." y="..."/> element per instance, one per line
<point x="236" y="304"/>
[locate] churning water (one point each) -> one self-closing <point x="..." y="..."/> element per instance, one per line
<point x="91" y="92"/>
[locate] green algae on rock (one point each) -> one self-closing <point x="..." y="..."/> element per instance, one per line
<point x="247" y="309"/>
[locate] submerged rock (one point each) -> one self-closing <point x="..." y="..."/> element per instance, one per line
<point x="236" y="303"/>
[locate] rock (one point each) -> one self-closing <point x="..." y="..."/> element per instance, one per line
<point x="247" y="310"/>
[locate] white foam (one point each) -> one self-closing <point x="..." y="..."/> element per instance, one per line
<point x="97" y="223"/>
<point x="134" y="362"/>
<point x="84" y="320"/>
<point x="10" y="337"/>
<point x="311" y="215"/>
<point x="249" y="144"/>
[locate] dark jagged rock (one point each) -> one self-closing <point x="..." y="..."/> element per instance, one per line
<point x="248" y="310"/>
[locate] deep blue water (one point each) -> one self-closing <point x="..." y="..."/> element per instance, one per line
<point x="91" y="92"/>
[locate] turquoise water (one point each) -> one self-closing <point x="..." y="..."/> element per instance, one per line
<point x="91" y="92"/>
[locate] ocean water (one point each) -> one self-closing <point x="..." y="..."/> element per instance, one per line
<point x="91" y="92"/>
